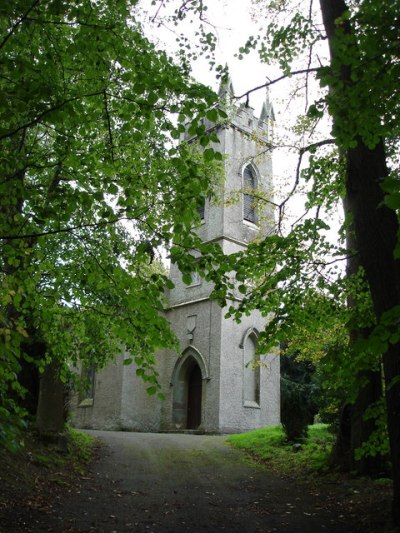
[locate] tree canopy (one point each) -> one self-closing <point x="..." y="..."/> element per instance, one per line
<point x="93" y="183"/>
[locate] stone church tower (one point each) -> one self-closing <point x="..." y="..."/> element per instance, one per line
<point x="218" y="383"/>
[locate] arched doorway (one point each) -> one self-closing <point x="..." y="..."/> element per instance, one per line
<point x="195" y="385"/>
<point x="188" y="381"/>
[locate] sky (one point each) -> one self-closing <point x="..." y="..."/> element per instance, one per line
<point x="234" y="25"/>
<point x="231" y="21"/>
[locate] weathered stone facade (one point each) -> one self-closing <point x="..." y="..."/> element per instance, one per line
<point x="210" y="386"/>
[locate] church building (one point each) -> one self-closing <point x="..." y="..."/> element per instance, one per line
<point x="218" y="383"/>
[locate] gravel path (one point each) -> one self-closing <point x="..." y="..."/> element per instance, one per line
<point x="157" y="483"/>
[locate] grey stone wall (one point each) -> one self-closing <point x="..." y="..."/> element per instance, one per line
<point x="104" y="411"/>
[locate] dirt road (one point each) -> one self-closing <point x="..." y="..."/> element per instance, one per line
<point x="159" y="483"/>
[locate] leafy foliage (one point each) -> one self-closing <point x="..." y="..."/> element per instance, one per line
<point x="270" y="445"/>
<point x="296" y="275"/>
<point x="93" y="184"/>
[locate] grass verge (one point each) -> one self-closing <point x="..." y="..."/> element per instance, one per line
<point x="270" y="446"/>
<point x="365" y="501"/>
<point x="38" y="462"/>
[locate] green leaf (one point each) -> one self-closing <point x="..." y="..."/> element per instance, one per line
<point x="204" y="140"/>
<point x="393" y="200"/>
<point x="212" y="115"/>
<point x="209" y="154"/>
<point x="187" y="279"/>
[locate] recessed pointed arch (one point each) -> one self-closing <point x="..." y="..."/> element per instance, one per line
<point x="249" y="331"/>
<point x="196" y="355"/>
<point x="251" y="368"/>
<point x="249" y="185"/>
<point x="188" y="380"/>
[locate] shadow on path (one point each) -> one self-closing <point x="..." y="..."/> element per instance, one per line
<point x="160" y="483"/>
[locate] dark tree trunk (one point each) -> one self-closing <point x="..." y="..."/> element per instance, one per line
<point x="341" y="456"/>
<point x="29" y="376"/>
<point x="51" y="411"/>
<point x="376" y="229"/>
<point x="370" y="380"/>
<point x="362" y="429"/>
<point x="354" y="430"/>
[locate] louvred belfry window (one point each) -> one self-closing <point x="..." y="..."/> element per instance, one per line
<point x="201" y="208"/>
<point x="249" y="184"/>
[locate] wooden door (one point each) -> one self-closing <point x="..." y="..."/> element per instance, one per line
<point x="194" y="398"/>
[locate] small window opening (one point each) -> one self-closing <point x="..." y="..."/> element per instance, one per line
<point x="88" y="377"/>
<point x="249" y="184"/>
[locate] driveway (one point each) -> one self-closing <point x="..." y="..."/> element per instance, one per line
<point x="156" y="483"/>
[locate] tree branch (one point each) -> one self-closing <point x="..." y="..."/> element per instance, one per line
<point x="71" y="24"/>
<point x="302" y="151"/>
<point x="66" y="230"/>
<point x="89" y="252"/>
<point x="19" y="21"/>
<point x="37" y="119"/>
<point x="276" y="80"/>
<point x="158" y="10"/>
<point x="110" y="135"/>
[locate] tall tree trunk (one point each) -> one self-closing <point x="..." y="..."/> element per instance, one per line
<point x="370" y="391"/>
<point x="376" y="229"/>
<point x="361" y="429"/>
<point x="51" y="410"/>
<point x="341" y="457"/>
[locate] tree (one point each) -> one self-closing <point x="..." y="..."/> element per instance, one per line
<point x="361" y="38"/>
<point x="298" y="394"/>
<point x="91" y="114"/>
<point x="354" y="39"/>
<point x="361" y="427"/>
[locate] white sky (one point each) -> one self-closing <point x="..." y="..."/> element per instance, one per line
<point x="233" y="27"/>
<point x="231" y="22"/>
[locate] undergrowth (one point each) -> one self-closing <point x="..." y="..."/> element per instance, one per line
<point x="22" y="470"/>
<point x="270" y="446"/>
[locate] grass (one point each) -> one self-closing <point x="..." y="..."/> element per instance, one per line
<point x="73" y="449"/>
<point x="367" y="500"/>
<point x="36" y="460"/>
<point x="269" y="446"/>
<point x="80" y="446"/>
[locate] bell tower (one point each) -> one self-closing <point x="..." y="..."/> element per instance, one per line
<point x="219" y="383"/>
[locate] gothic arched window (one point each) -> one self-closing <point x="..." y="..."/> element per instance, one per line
<point x="251" y="377"/>
<point x="249" y="185"/>
<point x="88" y="377"/>
<point x="201" y="206"/>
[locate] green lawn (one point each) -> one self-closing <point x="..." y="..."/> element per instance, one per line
<point x="269" y="445"/>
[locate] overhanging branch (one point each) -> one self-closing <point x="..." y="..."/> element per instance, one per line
<point x="19" y="21"/>
<point x="66" y="230"/>
<point x="276" y="80"/>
